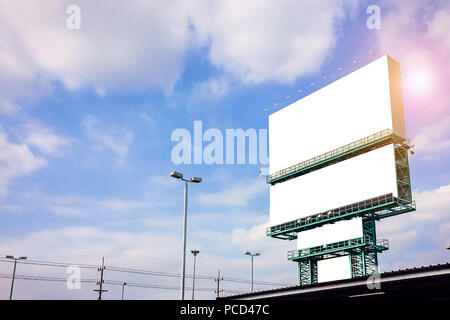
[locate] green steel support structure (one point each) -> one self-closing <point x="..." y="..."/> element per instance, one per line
<point x="363" y="251"/>
<point x="362" y="254"/>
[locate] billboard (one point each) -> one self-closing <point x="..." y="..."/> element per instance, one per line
<point x="330" y="233"/>
<point x="369" y="175"/>
<point x="362" y="103"/>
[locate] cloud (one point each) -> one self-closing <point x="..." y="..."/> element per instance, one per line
<point x="257" y="41"/>
<point x="211" y="89"/>
<point x="34" y="134"/>
<point x="254" y="236"/>
<point x="111" y="138"/>
<point x="438" y="27"/>
<point x="236" y="194"/>
<point x="83" y="207"/>
<point x="418" y="237"/>
<point x="126" y="46"/>
<point x="252" y="41"/>
<point x="16" y="160"/>
<point x="433" y="204"/>
<point x="433" y="138"/>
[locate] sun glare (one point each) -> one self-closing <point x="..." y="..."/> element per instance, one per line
<point x="419" y="82"/>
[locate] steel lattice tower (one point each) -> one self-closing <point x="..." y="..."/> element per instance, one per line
<point x="363" y="251"/>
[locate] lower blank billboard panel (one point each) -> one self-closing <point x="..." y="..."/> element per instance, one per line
<point x="333" y="269"/>
<point x="330" y="233"/>
<point x="369" y="175"/>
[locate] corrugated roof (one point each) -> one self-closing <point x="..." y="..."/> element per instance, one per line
<point x="387" y="274"/>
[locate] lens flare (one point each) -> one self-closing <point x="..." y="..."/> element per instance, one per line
<point x="420" y="81"/>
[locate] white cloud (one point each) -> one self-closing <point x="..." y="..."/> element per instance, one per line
<point x="254" y="236"/>
<point x="438" y="27"/>
<point x="112" y="138"/>
<point x="211" y="89"/>
<point x="81" y="206"/>
<point x="138" y="45"/>
<point x="237" y="193"/>
<point x="433" y="204"/>
<point x="258" y="41"/>
<point x="34" y="134"/>
<point x="433" y="138"/>
<point x="126" y="45"/>
<point x="16" y="160"/>
<point x="418" y="237"/>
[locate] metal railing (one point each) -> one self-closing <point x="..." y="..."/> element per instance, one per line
<point x="334" y="213"/>
<point x="381" y="244"/>
<point x="325" y="157"/>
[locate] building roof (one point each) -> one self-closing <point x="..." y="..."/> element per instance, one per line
<point x="431" y="281"/>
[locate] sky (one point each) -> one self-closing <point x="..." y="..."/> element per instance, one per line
<point x="88" y="109"/>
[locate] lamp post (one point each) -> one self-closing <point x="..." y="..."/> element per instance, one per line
<point x="248" y="253"/>
<point x="14" y="272"/>
<point x="177" y="175"/>
<point x="123" y="287"/>
<point x="195" y="253"/>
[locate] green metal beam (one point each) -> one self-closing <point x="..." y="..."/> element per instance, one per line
<point x="365" y="243"/>
<point x="348" y="151"/>
<point x="375" y="208"/>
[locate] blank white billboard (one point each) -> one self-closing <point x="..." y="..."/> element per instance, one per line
<point x="362" y="103"/>
<point x="330" y="233"/>
<point x="369" y="175"/>
<point x="365" y="102"/>
<point x="333" y="269"/>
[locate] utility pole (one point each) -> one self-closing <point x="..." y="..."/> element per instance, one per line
<point x="100" y="283"/>
<point x="218" y="284"/>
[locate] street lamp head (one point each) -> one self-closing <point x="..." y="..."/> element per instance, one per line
<point x="22" y="258"/>
<point x="124" y="283"/>
<point x="196" y="179"/>
<point x="195" y="252"/>
<point x="9" y="257"/>
<point x="257" y="254"/>
<point x="176" y="175"/>
<point x="247" y="253"/>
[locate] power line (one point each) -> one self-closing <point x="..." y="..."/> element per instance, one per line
<point x="109" y="282"/>
<point x="53" y="264"/>
<point x="42" y="278"/>
<point x="143" y="272"/>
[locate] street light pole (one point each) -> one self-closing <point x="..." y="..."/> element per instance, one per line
<point x="178" y="175"/>
<point x="183" y="277"/>
<point x="248" y="253"/>
<point x="123" y="287"/>
<point x="195" y="253"/>
<point x="14" y="272"/>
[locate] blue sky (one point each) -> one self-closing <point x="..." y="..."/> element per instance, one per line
<point x="86" y="118"/>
